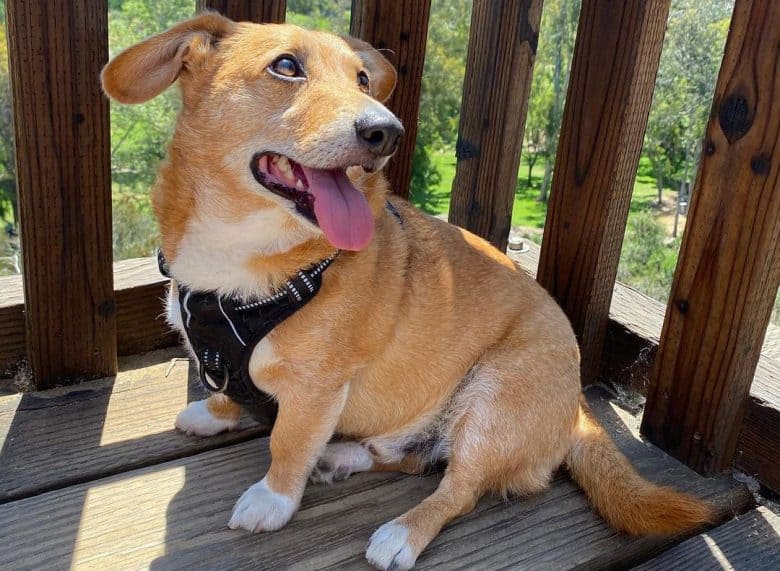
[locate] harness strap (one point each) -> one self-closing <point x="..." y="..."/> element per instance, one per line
<point x="222" y="332"/>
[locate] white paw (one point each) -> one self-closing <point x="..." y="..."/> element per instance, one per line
<point x="339" y="461"/>
<point x="389" y="549"/>
<point x="262" y="509"/>
<point x="197" y="419"/>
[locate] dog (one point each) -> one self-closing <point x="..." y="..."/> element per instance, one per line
<point x="424" y="345"/>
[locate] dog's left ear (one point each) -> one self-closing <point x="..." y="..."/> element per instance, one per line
<point x="145" y="70"/>
<point x="381" y="73"/>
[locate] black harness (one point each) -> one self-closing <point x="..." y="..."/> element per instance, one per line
<point x="223" y="331"/>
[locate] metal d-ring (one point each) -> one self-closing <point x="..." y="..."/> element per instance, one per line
<point x="206" y="380"/>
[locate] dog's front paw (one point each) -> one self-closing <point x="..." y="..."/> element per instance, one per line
<point x="262" y="509"/>
<point x="389" y="548"/>
<point x="197" y="419"/>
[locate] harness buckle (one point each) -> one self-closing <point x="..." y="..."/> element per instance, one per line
<point x="208" y="382"/>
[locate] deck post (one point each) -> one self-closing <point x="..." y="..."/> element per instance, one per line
<point x="400" y="27"/>
<point x="499" y="66"/>
<point x="56" y="52"/>
<point x="729" y="267"/>
<point x="615" y="61"/>
<point x="269" y="11"/>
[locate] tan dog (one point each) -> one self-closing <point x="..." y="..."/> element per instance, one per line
<point x="425" y="344"/>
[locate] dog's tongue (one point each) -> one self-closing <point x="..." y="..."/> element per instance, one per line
<point x="342" y="210"/>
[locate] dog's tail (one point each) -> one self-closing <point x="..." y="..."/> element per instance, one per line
<point x="627" y="501"/>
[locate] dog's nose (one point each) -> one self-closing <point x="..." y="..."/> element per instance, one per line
<point x="380" y="134"/>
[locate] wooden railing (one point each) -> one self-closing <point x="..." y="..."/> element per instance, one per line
<point x="72" y="322"/>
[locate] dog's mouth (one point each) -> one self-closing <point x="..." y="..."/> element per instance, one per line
<point x="325" y="197"/>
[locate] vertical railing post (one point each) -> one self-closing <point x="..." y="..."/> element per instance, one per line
<point x="615" y="61"/>
<point x="401" y="28"/>
<point x="270" y="11"/>
<point x="499" y="66"/>
<point x="729" y="266"/>
<point x="56" y="52"/>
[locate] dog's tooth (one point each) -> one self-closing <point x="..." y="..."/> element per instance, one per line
<point x="299" y="184"/>
<point x="283" y="164"/>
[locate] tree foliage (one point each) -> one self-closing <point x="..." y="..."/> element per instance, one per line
<point x="693" y="48"/>
<point x="442" y="87"/>
<point x="330" y="15"/>
<point x="548" y="88"/>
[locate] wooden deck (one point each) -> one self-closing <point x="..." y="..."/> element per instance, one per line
<point x="95" y="477"/>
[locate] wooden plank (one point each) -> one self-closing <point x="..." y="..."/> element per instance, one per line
<point x="139" y="291"/>
<point x="56" y="50"/>
<point x="55" y="438"/>
<point x="615" y="61"/>
<point x="173" y="515"/>
<point x="729" y="266"/>
<point x="260" y="11"/>
<point x="13" y="340"/>
<point x="496" y="88"/>
<point x="758" y="446"/>
<point x="400" y="28"/>
<point x="751" y="541"/>
<point x="634" y="331"/>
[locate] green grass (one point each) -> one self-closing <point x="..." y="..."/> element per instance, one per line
<point x="528" y="210"/>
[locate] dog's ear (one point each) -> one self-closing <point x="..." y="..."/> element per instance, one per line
<point x="145" y="70"/>
<point x="381" y="73"/>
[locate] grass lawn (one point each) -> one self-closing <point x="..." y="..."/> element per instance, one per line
<point x="528" y="211"/>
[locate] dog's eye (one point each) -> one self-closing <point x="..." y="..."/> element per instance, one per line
<point x="286" y="66"/>
<point x="363" y="81"/>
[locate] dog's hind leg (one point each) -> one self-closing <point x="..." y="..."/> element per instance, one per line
<point x="209" y="417"/>
<point x="342" y="459"/>
<point x="509" y="427"/>
<point x="339" y="461"/>
<point x="397" y="544"/>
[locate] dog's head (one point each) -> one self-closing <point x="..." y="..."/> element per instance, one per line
<point x="278" y="112"/>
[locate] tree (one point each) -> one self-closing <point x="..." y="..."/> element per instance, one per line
<point x="442" y="87"/>
<point x="8" y="199"/>
<point x="331" y="15"/>
<point x="690" y="60"/>
<point x="548" y="89"/>
<point x="139" y="133"/>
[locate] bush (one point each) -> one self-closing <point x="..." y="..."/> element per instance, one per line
<point x="135" y="232"/>
<point x="648" y="261"/>
<point x="425" y="180"/>
<point x="10" y="262"/>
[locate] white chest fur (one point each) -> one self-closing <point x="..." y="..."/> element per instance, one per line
<point x="214" y="254"/>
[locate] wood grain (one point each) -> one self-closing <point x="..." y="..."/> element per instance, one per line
<point x="260" y="11"/>
<point x="751" y="541"/>
<point x="174" y="515"/>
<point x="52" y="439"/>
<point x="56" y="52"/>
<point x="615" y="61"/>
<point x="729" y="265"/>
<point x="400" y="27"/>
<point x="139" y="293"/>
<point x="13" y="340"/>
<point x="496" y="88"/>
